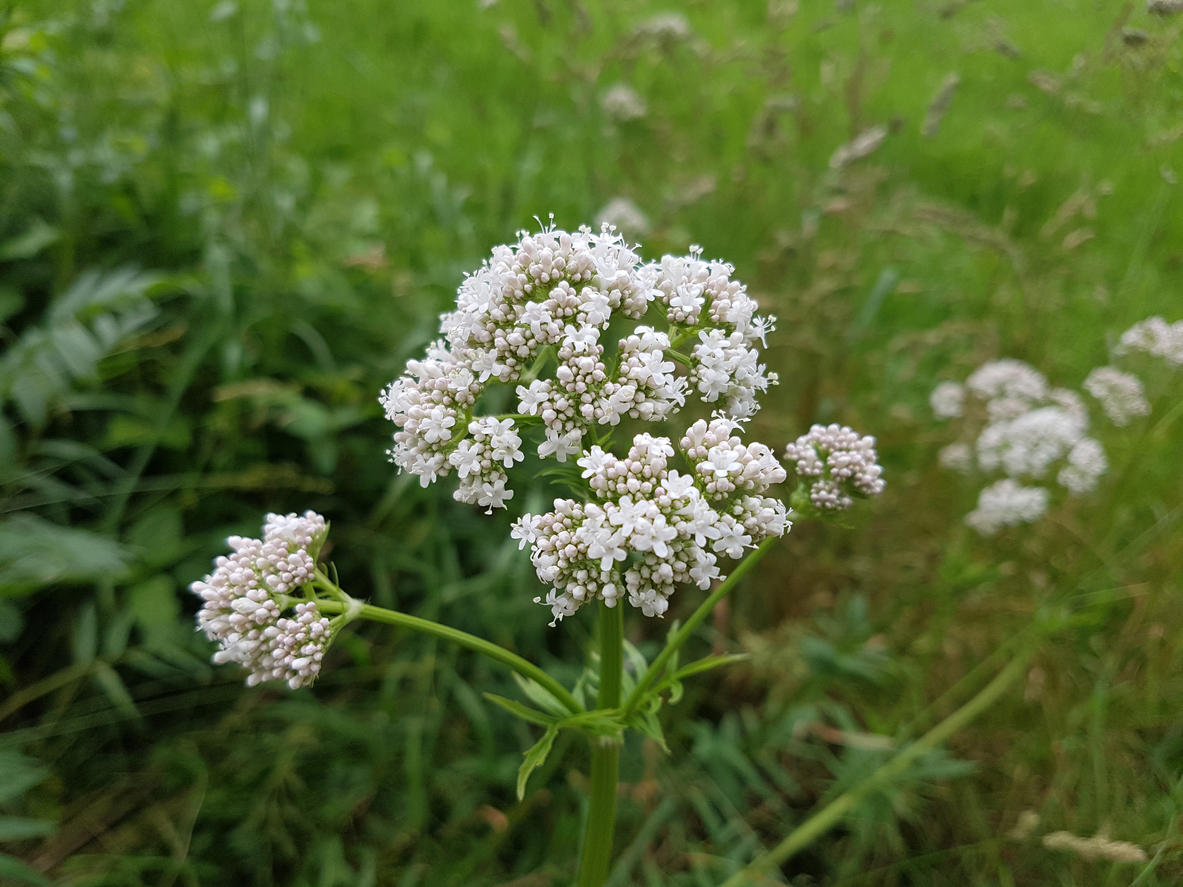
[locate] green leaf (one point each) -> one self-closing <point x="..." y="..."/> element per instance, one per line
<point x="29" y="242"/>
<point x="522" y="711"/>
<point x="535" y="757"/>
<point x="156" y="609"/>
<point x="676" y="690"/>
<point x="116" y="631"/>
<point x="125" y="430"/>
<point x="646" y="721"/>
<point x="35" y="553"/>
<point x="18" y="773"/>
<point x="708" y="663"/>
<point x="540" y="696"/>
<point x="158" y="534"/>
<point x="19" y="828"/>
<point x="11" y="301"/>
<point x="13" y="871"/>
<point x="634" y="658"/>
<point x="112" y="685"/>
<point x="85" y="637"/>
<point x="97" y="312"/>
<point x="7" y="445"/>
<point x="11" y="621"/>
<point x="76" y="349"/>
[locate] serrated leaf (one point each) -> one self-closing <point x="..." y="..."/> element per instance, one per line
<point x="535" y="757"/>
<point x="647" y="723"/>
<point x="522" y="711"/>
<point x="35" y="553"/>
<point x="98" y="311"/>
<point x="540" y="696"/>
<point x="76" y="349"/>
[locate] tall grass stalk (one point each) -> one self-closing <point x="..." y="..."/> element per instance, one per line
<point x="830" y="815"/>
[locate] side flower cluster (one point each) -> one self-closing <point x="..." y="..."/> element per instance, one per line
<point x="534" y="316"/>
<point x="1156" y="337"/>
<point x="1017" y="425"/>
<point x="649" y="527"/>
<point x="1120" y="394"/>
<point x="835" y="465"/>
<point x="250" y="589"/>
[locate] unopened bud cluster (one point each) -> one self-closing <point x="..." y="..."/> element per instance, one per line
<point x="835" y="465"/>
<point x="250" y="589"/>
<point x="648" y="526"/>
<point x="534" y="316"/>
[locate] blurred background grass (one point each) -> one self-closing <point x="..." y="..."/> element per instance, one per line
<point x="224" y="227"/>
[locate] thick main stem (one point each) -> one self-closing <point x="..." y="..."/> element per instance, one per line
<point x="654" y="671"/>
<point x="596" y="858"/>
<point x="524" y="667"/>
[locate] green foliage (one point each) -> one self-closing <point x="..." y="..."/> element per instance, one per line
<point x="223" y="227"/>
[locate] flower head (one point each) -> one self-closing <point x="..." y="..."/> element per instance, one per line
<point x="1120" y="394"/>
<point x="1156" y="337"/>
<point x="648" y="526"/>
<point x="1018" y="426"/>
<point x="835" y="464"/>
<point x="250" y="589"/>
<point x="534" y="317"/>
<point x="1007" y="503"/>
<point x="947" y="400"/>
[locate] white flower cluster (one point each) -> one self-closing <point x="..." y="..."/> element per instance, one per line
<point x="1029" y="444"/>
<point x="837" y="464"/>
<point x="1155" y="337"/>
<point x="1024" y="429"/>
<point x="623" y="103"/>
<point x="665" y="26"/>
<point x="1007" y="503"/>
<point x="947" y="400"/>
<point x="1008" y="387"/>
<point x="545" y="302"/>
<point x="245" y="598"/>
<point x="1121" y="395"/>
<point x="650" y="527"/>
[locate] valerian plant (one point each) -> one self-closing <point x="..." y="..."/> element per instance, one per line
<point x="642" y="514"/>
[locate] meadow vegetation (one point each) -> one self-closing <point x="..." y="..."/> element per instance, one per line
<point x="224" y="227"/>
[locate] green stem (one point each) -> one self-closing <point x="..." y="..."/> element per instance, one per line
<point x="654" y="671"/>
<point x="596" y="858"/>
<point x="527" y="669"/>
<point x="815" y="826"/>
